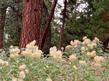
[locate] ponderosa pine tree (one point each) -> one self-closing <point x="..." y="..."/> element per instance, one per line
<point x="31" y="21"/>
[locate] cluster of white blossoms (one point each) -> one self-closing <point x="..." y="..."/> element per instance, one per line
<point x="56" y="54"/>
<point x="73" y="58"/>
<point x="84" y="49"/>
<point x="14" y="52"/>
<point x="82" y="62"/>
<point x="87" y="43"/>
<point x="74" y="43"/>
<point x="22" y="73"/>
<point x="90" y="44"/>
<point x="48" y="79"/>
<point x="32" y="50"/>
<point x="91" y="54"/>
<point x="3" y="63"/>
<point x="98" y="59"/>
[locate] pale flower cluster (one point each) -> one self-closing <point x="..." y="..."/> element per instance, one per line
<point x="84" y="49"/>
<point x="14" y="79"/>
<point x="86" y="42"/>
<point x="22" y="67"/>
<point x="14" y="52"/>
<point x="75" y="67"/>
<point x="82" y="62"/>
<point x="68" y="47"/>
<point x="55" y="54"/>
<point x="48" y="79"/>
<point x="96" y="40"/>
<point x="22" y="73"/>
<point x="96" y="65"/>
<point x="91" y="54"/>
<point x="98" y="59"/>
<point x="73" y="58"/>
<point x="74" y="43"/>
<point x="90" y="44"/>
<point x="32" y="50"/>
<point x="3" y="63"/>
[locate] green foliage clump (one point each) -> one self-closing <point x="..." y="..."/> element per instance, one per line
<point x="89" y="22"/>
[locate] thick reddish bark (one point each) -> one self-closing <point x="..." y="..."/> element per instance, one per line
<point x="32" y="12"/>
<point x="2" y="23"/>
<point x="63" y="23"/>
<point x="44" y="36"/>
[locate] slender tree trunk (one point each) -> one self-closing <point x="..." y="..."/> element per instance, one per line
<point x="2" y="23"/>
<point x="46" y="32"/>
<point x="32" y="12"/>
<point x="63" y="23"/>
<point x="47" y="43"/>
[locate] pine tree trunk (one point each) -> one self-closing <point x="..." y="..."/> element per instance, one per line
<point x="2" y="23"/>
<point x="63" y="23"/>
<point x="47" y="26"/>
<point x="32" y="12"/>
<point x="47" y="43"/>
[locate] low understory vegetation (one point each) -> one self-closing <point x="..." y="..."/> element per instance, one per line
<point x="80" y="61"/>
